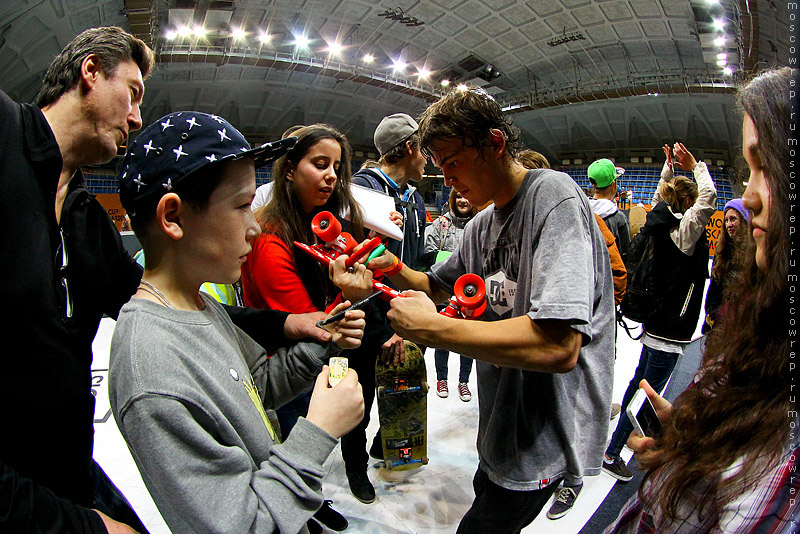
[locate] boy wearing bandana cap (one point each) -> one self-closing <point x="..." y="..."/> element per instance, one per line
<point x="187" y="387"/>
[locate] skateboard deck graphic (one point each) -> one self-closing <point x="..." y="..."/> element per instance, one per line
<point x="403" y="410"/>
<point x="636" y="218"/>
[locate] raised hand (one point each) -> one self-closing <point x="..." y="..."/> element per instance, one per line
<point x="685" y="158"/>
<point x="668" y="153"/>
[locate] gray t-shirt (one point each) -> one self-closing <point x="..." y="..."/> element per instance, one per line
<point x="188" y="391"/>
<point x="542" y="256"/>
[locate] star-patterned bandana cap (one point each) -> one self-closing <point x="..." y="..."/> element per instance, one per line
<point x="179" y="144"/>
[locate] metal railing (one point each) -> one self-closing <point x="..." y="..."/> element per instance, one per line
<point x="663" y="82"/>
<point x="225" y="55"/>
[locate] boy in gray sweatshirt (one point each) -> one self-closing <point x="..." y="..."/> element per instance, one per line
<point x="188" y="388"/>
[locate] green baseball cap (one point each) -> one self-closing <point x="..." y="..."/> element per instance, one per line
<point x="602" y="172"/>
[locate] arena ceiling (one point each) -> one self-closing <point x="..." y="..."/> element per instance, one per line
<point x="581" y="78"/>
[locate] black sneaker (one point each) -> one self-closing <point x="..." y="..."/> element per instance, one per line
<point x="330" y="517"/>
<point x="617" y="469"/>
<point x="314" y="527"/>
<point x="361" y="487"/>
<point x="565" y="498"/>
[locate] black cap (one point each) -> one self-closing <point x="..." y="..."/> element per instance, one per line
<point x="177" y="145"/>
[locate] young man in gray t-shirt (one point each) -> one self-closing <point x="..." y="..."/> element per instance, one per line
<point x="544" y="374"/>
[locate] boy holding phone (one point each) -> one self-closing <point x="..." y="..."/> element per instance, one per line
<point x="188" y="388"/>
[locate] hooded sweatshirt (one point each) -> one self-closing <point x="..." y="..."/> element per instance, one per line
<point x="445" y="232"/>
<point x="616" y="221"/>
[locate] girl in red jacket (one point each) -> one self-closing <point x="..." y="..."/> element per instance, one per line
<point x="314" y="176"/>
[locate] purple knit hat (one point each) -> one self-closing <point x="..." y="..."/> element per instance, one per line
<point x="738" y="205"/>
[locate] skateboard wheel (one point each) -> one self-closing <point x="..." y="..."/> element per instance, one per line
<point x="381" y="392"/>
<point x="470" y="291"/>
<point x="478" y="311"/>
<point x="326" y="226"/>
<point x="424" y="460"/>
<point x="424" y="387"/>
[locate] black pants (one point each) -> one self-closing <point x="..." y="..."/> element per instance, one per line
<point x="354" y="443"/>
<point x="500" y="510"/>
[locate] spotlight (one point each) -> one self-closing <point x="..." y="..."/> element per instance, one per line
<point x="719" y="41"/>
<point x="334" y="49"/>
<point x="719" y="24"/>
<point x="462" y="87"/>
<point x="170" y="35"/>
<point x="199" y="31"/>
<point x="445" y="83"/>
<point x="489" y="73"/>
<point x="264" y="37"/>
<point x="423" y="73"/>
<point x="184" y="31"/>
<point x="722" y="55"/>
<point x="722" y="62"/>
<point x="727" y="71"/>
<point x="238" y="34"/>
<point x="301" y="41"/>
<point x="368" y="58"/>
<point x="399" y="65"/>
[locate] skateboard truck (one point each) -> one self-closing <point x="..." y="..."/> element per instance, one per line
<point x="469" y="300"/>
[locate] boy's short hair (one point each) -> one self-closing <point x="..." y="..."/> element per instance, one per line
<point x="181" y="152"/>
<point x="111" y="44"/>
<point x="467" y="115"/>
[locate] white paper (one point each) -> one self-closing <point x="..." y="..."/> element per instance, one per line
<point x="375" y="206"/>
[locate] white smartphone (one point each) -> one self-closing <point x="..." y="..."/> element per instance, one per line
<point x="643" y="415"/>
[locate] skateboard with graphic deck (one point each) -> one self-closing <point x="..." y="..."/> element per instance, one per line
<point x="403" y="389"/>
<point x="403" y="410"/>
<point x="637" y="216"/>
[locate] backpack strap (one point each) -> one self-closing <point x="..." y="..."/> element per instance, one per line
<point x="372" y="178"/>
<point x="624" y="325"/>
<point x="379" y="183"/>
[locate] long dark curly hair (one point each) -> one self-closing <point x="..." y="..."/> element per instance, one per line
<point x="737" y="410"/>
<point x="283" y="216"/>
<point x="731" y="251"/>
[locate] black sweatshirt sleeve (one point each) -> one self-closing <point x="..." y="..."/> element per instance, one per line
<point x="264" y="326"/>
<point x="32" y="509"/>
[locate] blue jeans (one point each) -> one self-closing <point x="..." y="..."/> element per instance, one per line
<point x="655" y="366"/>
<point x="109" y="500"/>
<point x="440" y="357"/>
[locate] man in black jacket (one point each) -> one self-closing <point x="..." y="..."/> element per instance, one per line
<point x="63" y="266"/>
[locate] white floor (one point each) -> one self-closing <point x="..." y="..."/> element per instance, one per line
<point x="431" y="499"/>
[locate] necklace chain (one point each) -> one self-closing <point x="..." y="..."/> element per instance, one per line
<point x="153" y="290"/>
